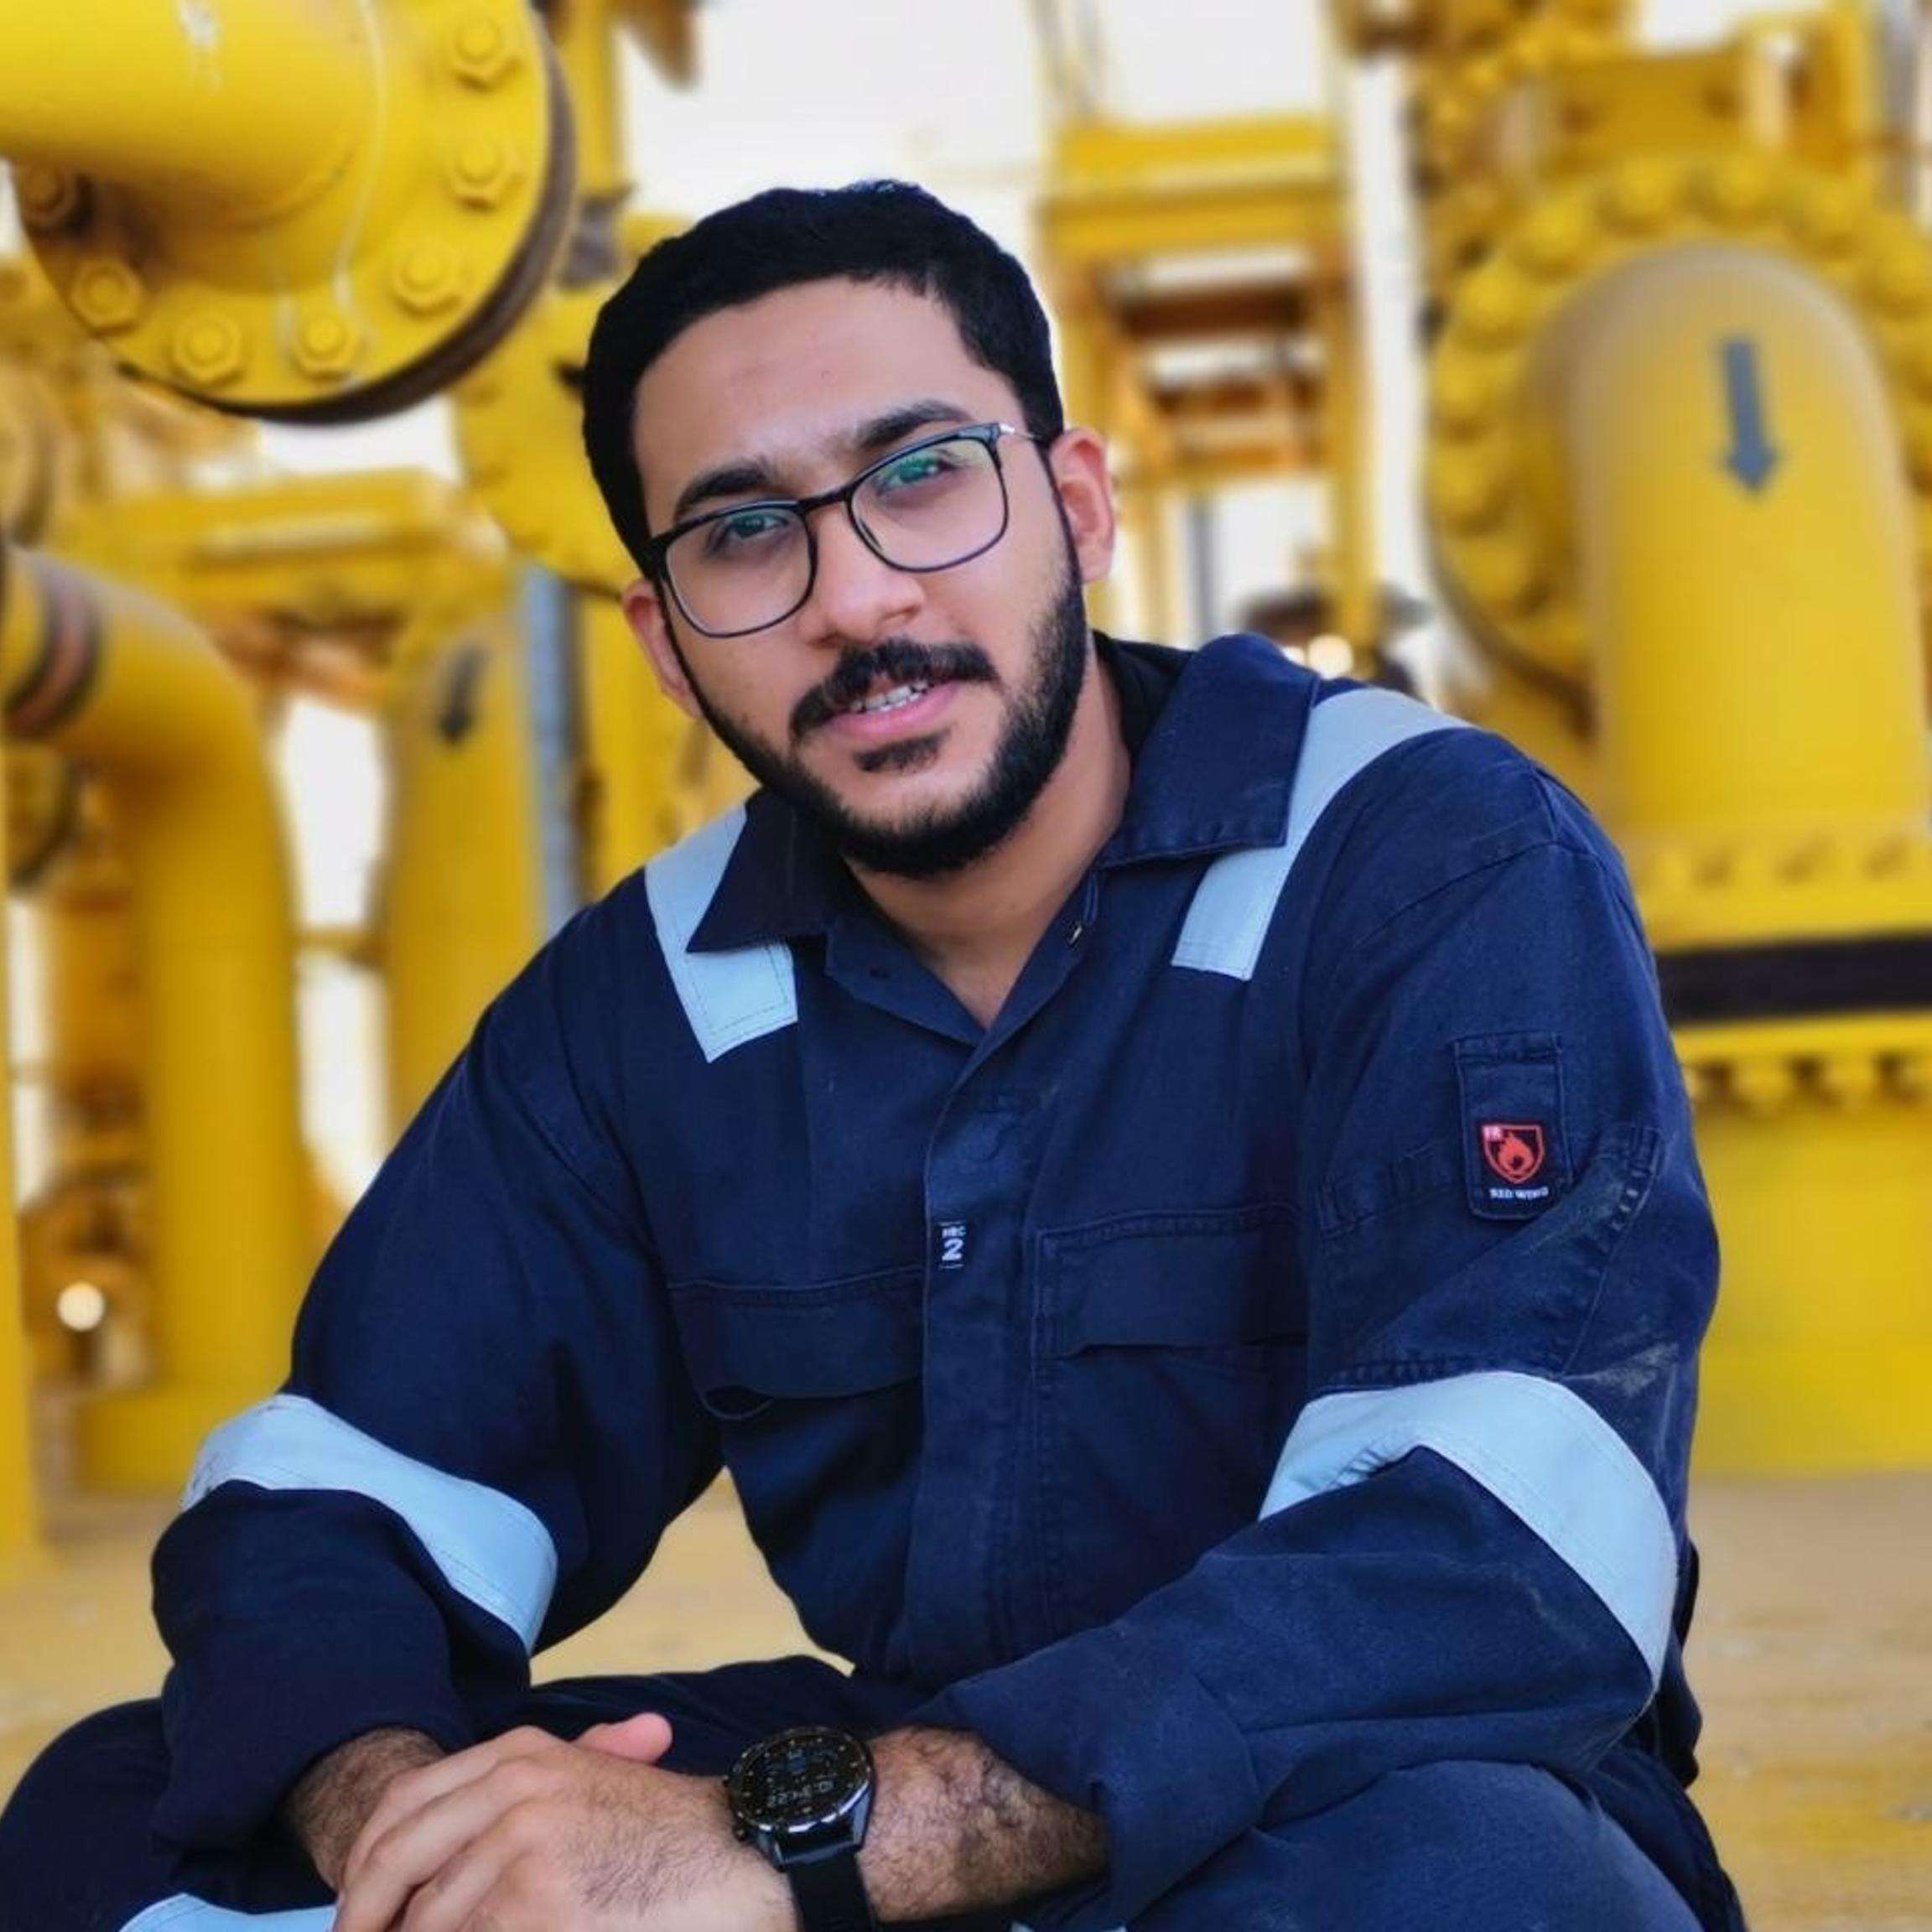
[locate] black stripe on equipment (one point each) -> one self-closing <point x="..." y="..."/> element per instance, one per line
<point x="1796" y="979"/>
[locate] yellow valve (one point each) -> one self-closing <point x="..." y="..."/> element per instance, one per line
<point x="327" y="250"/>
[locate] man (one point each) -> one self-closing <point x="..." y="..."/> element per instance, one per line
<point x="1164" y="1180"/>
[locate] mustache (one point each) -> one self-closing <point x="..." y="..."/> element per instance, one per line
<point x="893" y="660"/>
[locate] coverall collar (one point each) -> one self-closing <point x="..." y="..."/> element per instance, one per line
<point x="1213" y="775"/>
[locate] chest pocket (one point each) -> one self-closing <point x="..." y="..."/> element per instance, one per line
<point x="1173" y="1363"/>
<point x="750" y="1348"/>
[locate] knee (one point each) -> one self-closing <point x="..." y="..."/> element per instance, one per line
<point x="1509" y="1847"/>
<point x="82" y="1807"/>
<point x="1436" y="1848"/>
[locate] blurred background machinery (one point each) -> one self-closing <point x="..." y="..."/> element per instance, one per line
<point x="1675" y="313"/>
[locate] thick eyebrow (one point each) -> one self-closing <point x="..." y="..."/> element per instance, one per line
<point x="877" y="433"/>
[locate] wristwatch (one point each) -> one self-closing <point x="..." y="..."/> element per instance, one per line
<point x="804" y="1798"/>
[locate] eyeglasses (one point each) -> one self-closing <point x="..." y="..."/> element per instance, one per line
<point x="935" y="503"/>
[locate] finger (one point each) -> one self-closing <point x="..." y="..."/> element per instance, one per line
<point x="411" y="1851"/>
<point x="408" y="1793"/>
<point x="453" y="1898"/>
<point x="643" y="1739"/>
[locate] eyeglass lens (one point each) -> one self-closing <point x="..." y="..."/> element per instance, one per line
<point x="934" y="505"/>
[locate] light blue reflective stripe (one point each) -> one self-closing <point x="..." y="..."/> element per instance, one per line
<point x="1229" y="915"/>
<point x="489" y="1547"/>
<point x="1541" y="1452"/>
<point x="729" y="998"/>
<point x="182" y="1913"/>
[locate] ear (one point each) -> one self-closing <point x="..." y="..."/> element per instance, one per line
<point x="644" y="612"/>
<point x="1078" y="463"/>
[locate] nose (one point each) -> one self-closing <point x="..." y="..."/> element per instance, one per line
<point x="857" y="597"/>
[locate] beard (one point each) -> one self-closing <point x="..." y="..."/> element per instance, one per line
<point x="939" y="839"/>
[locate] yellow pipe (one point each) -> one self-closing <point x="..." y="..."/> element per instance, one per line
<point x="640" y="797"/>
<point x="85" y="1221"/>
<point x="462" y="901"/>
<point x="19" y="1528"/>
<point x="130" y="690"/>
<point x="1745" y="561"/>
<point x="190" y="103"/>
<point x="1757" y="663"/>
<point x="1347" y="408"/>
<point x="585" y="37"/>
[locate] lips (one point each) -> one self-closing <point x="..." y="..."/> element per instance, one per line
<point x="896" y="720"/>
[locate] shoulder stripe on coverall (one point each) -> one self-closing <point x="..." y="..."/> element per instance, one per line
<point x="488" y="1546"/>
<point x="730" y="997"/>
<point x="1228" y="917"/>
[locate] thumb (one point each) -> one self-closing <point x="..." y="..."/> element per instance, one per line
<point x="643" y="1739"/>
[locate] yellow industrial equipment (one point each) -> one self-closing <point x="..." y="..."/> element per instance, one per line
<point x="1680" y="474"/>
<point x="85" y="1246"/>
<point x="19" y="1524"/>
<point x="1200" y="280"/>
<point x="322" y="252"/>
<point x="126" y="689"/>
<point x="335" y="247"/>
<point x="462" y="907"/>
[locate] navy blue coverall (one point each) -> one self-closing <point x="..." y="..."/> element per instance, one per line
<point x="1250" y="1383"/>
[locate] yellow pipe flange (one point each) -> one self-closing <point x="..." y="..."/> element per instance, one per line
<point x="1503" y="559"/>
<point x="311" y="212"/>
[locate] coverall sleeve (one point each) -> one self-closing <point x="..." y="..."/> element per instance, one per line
<point x="487" y="1428"/>
<point x="1473" y="1546"/>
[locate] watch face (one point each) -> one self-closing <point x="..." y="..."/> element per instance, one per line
<point x="800" y="1779"/>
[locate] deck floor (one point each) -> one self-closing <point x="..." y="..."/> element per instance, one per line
<point x="1812" y="1656"/>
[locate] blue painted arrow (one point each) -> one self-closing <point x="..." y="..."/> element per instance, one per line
<point x="1751" y="458"/>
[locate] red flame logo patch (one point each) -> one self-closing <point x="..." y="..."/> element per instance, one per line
<point x="1513" y="1149"/>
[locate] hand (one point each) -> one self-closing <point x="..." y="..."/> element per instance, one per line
<point x="335" y="1797"/>
<point x="530" y="1833"/>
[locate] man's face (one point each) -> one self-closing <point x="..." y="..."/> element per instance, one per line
<point x="793" y="394"/>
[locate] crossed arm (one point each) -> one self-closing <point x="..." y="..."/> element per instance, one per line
<point x="530" y="1833"/>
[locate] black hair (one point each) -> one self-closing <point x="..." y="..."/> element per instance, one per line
<point x="878" y="231"/>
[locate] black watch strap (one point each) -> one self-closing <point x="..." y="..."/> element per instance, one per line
<point x="830" y="1895"/>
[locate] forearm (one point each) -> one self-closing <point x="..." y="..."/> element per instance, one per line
<point x="334" y="1798"/>
<point x="956" y="1828"/>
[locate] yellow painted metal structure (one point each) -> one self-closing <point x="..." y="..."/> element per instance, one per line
<point x="334" y="246"/>
<point x="1603" y="224"/>
<point x="1199" y="273"/>
<point x="1797" y="808"/>
<point x="125" y="686"/>
<point x="19" y="1514"/>
<point x="652" y="775"/>
<point x="1679" y="491"/>
<point x="461" y="902"/>
<point x="87" y="1226"/>
<point x="321" y="251"/>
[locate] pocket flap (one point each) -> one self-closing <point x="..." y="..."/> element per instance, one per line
<point x="839" y="1339"/>
<point x="1198" y="1278"/>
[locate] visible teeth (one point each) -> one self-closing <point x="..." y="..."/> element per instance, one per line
<point x="889" y="700"/>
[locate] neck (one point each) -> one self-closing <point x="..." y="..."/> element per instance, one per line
<point x="976" y="927"/>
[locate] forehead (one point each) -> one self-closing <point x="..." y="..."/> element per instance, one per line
<point x="785" y="377"/>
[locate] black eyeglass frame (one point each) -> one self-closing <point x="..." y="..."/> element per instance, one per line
<point x="657" y="567"/>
